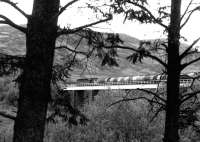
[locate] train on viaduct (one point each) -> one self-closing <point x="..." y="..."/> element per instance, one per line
<point x="87" y="88"/>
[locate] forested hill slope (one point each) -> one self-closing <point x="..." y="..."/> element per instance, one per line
<point x="13" y="42"/>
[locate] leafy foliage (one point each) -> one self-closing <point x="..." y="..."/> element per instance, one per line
<point x="103" y="46"/>
<point x="10" y="64"/>
<point x="138" y="56"/>
<point x="61" y="107"/>
<point x="9" y="91"/>
<point x="138" y="10"/>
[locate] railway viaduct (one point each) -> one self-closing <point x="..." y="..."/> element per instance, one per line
<point x="84" y="90"/>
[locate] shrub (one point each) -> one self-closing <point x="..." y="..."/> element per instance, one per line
<point x="125" y="122"/>
<point x="9" y="91"/>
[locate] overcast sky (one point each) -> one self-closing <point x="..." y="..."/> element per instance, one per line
<point x="76" y="17"/>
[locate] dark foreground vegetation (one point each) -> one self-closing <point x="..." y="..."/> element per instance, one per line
<point x="128" y="121"/>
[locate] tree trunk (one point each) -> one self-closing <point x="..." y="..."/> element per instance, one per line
<point x="36" y="77"/>
<point x="173" y="70"/>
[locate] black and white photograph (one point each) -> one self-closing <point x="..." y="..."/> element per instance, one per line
<point x="99" y="71"/>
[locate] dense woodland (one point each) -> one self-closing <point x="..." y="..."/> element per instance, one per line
<point x="41" y="111"/>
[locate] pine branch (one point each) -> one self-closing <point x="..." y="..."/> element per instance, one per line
<point x="14" y="5"/>
<point x="12" y="24"/>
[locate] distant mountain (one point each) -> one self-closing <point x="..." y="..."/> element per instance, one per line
<point x="13" y="42"/>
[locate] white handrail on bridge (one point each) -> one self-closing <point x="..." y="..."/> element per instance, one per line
<point x="124" y="85"/>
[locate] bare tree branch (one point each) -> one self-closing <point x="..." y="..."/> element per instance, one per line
<point x="165" y="45"/>
<point x="74" y="57"/>
<point x="188" y="96"/>
<point x="152" y="93"/>
<point x="71" y="50"/>
<point x="12" y="24"/>
<point x="61" y="71"/>
<point x="134" y="99"/>
<point x="6" y="115"/>
<point x="189" y="16"/>
<point x="65" y="7"/>
<point x="186" y="10"/>
<point x="135" y="50"/>
<point x="161" y="108"/>
<point x="70" y="31"/>
<point x="185" y="53"/>
<point x="189" y="63"/>
<point x="158" y="60"/>
<point x="192" y="53"/>
<point x="14" y="5"/>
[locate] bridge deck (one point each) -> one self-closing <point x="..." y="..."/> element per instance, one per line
<point x="112" y="87"/>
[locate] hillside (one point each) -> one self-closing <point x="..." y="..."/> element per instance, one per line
<point x="13" y="42"/>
